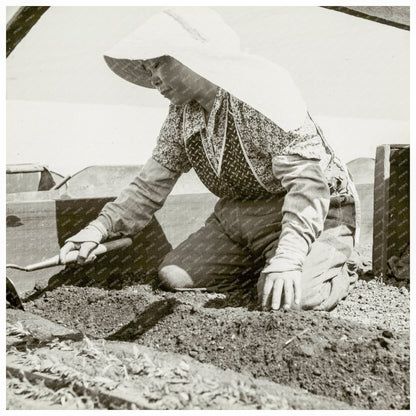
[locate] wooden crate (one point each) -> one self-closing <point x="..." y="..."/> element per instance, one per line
<point x="391" y="230"/>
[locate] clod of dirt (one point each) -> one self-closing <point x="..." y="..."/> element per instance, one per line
<point x="387" y="334"/>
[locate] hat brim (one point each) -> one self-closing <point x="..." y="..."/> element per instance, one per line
<point x="130" y="70"/>
<point x="263" y="85"/>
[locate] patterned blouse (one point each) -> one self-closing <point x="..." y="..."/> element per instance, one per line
<point x="297" y="165"/>
<point x="261" y="139"/>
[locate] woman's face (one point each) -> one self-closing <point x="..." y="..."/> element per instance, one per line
<point x="173" y="80"/>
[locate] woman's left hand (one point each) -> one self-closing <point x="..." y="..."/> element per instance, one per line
<point x="279" y="290"/>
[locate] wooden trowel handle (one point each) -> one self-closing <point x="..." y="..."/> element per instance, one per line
<point x="71" y="257"/>
<point x="112" y="245"/>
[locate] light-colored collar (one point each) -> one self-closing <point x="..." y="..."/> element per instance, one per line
<point x="194" y="119"/>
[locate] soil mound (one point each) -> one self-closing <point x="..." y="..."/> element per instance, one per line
<point x="358" y="353"/>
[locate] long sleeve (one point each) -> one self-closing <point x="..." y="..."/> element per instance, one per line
<point x="136" y="204"/>
<point x="134" y="207"/>
<point x="304" y="209"/>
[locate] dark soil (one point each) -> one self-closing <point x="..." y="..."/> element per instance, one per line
<point x="358" y="353"/>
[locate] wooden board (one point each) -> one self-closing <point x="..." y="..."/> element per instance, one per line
<point x="391" y="205"/>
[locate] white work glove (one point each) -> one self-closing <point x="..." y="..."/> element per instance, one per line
<point x="85" y="241"/>
<point x="280" y="290"/>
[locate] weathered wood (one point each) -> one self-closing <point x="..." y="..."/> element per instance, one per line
<point x="24" y="168"/>
<point x="21" y="23"/>
<point x="381" y="209"/>
<point x="391" y="205"/>
<point x="387" y="15"/>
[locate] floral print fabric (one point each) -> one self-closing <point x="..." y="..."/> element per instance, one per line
<point x="260" y="138"/>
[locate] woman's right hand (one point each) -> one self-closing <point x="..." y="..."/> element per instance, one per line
<point x="85" y="242"/>
<point x="84" y="251"/>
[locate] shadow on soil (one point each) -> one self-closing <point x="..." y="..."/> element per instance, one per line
<point x="145" y="320"/>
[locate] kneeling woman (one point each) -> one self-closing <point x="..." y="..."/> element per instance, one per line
<point x="287" y="207"/>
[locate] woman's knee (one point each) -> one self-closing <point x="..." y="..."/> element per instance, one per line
<point x="313" y="297"/>
<point x="174" y="277"/>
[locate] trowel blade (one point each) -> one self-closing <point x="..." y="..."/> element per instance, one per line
<point x="12" y="296"/>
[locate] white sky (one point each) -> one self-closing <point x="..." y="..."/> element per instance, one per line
<point x="345" y="66"/>
<point x="65" y="107"/>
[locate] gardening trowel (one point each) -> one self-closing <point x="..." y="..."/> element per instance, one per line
<point x="11" y="293"/>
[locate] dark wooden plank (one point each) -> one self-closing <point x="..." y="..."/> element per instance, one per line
<point x="391" y="235"/>
<point x="398" y="17"/>
<point x="381" y="209"/>
<point x="21" y="23"/>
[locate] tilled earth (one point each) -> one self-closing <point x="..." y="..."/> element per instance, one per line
<point x="359" y="353"/>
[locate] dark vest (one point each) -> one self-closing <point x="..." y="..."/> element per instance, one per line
<point x="236" y="179"/>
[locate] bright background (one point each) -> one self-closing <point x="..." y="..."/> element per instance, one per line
<point x="67" y="110"/>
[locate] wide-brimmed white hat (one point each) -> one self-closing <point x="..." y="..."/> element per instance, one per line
<point x="201" y="40"/>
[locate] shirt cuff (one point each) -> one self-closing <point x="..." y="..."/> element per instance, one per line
<point x="102" y="225"/>
<point x="89" y="233"/>
<point x="290" y="255"/>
